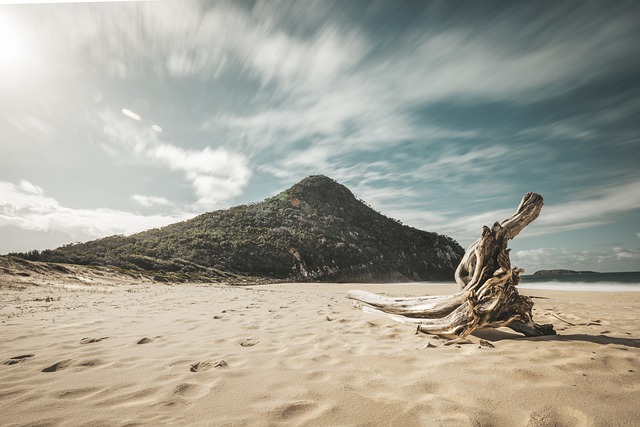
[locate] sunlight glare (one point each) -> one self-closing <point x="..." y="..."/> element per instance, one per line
<point x="11" y="42"/>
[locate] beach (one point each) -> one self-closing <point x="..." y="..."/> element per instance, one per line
<point x="94" y="347"/>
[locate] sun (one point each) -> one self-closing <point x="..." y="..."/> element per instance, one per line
<point x="12" y="42"/>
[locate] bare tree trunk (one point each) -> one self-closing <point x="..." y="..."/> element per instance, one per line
<point x="470" y="268"/>
<point x="488" y="295"/>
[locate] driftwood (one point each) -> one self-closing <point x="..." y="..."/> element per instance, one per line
<point x="488" y="296"/>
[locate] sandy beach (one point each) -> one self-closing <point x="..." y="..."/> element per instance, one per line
<point x="88" y="347"/>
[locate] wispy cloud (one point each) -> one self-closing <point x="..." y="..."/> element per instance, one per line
<point x="518" y="55"/>
<point x="370" y="104"/>
<point x="335" y="85"/>
<point x="216" y="175"/>
<point x="191" y="39"/>
<point x="600" y="206"/>
<point x="571" y="129"/>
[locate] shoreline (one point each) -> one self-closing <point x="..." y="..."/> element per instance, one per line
<point x="551" y="285"/>
<point x="582" y="286"/>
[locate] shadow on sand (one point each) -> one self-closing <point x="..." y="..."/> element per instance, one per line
<point x="501" y="334"/>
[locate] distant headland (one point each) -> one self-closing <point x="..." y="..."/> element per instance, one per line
<point x="558" y="272"/>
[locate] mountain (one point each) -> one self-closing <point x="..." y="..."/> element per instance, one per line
<point x="316" y="230"/>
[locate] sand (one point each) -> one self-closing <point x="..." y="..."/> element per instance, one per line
<point x="91" y="348"/>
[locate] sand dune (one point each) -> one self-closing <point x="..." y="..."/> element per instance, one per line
<point x="99" y="350"/>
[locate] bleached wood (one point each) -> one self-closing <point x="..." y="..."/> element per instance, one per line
<point x="488" y="296"/>
<point x="469" y="270"/>
<point x="423" y="307"/>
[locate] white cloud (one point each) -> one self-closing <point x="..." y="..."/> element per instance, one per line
<point x="25" y="205"/>
<point x="536" y="259"/>
<point x="150" y="201"/>
<point x="621" y="253"/>
<point x="29" y="188"/>
<point x="217" y="175"/>
<point x="550" y="257"/>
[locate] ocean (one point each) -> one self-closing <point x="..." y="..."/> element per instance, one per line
<point x="600" y="282"/>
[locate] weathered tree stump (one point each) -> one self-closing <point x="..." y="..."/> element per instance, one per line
<point x="488" y="296"/>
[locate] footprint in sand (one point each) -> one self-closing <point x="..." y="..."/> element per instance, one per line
<point x="77" y="393"/>
<point x="200" y="367"/>
<point x="90" y="363"/>
<point x="91" y="340"/>
<point x="223" y="364"/>
<point x="293" y="409"/>
<point x="186" y="390"/>
<point x="549" y="416"/>
<point x="58" y="366"/>
<point x="205" y="366"/>
<point x="17" y="359"/>
<point x="146" y="340"/>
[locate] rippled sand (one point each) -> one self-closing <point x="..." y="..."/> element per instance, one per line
<point x="90" y="348"/>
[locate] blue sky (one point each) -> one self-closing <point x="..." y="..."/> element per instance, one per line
<point x="118" y="117"/>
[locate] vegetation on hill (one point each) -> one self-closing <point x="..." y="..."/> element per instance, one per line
<point x="316" y="230"/>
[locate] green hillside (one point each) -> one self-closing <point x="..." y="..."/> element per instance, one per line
<point x="316" y="230"/>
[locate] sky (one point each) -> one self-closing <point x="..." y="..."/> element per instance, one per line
<point x="116" y="117"/>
